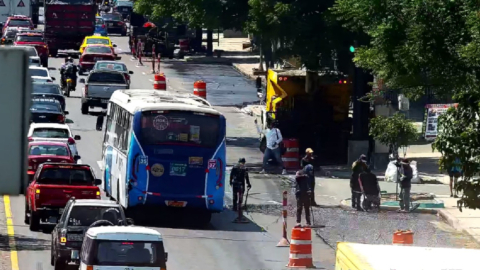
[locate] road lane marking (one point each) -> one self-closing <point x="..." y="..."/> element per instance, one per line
<point x="11" y="233"/>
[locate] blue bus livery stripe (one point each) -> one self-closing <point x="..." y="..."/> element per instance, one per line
<point x="207" y="174"/>
<point x="143" y="154"/>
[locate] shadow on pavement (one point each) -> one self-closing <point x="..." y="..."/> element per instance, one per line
<point x="243" y="142"/>
<point x="23" y="242"/>
<point x="220" y="222"/>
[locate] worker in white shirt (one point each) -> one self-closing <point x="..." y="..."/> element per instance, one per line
<point x="274" y="147"/>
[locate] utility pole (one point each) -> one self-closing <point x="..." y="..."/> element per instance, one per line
<point x="358" y="144"/>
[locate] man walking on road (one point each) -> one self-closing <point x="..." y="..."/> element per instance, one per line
<point x="310" y="160"/>
<point x="303" y="192"/>
<point x="274" y="147"/>
<point x="405" y="185"/>
<point x="238" y="176"/>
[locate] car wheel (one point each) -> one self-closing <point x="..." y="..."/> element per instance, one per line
<point x="34" y="222"/>
<point x="52" y="257"/>
<point x="27" y="219"/>
<point x="84" y="108"/>
<point x="59" y="264"/>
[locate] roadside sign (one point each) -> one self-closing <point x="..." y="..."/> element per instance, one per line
<point x="21" y="4"/>
<point x="14" y="114"/>
<point x="2" y="3"/>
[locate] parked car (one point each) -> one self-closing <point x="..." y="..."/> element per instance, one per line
<point x="99" y="87"/>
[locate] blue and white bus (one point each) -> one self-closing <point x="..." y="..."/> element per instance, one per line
<point x="162" y="149"/>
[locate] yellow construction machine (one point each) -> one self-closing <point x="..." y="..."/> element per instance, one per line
<point x="316" y="115"/>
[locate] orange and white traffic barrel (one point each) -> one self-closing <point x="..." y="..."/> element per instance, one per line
<point x="291" y="158"/>
<point x="160" y="82"/>
<point x="200" y="89"/>
<point x="402" y="237"/>
<point x="301" y="249"/>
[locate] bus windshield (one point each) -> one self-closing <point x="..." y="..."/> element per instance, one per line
<point x="179" y="127"/>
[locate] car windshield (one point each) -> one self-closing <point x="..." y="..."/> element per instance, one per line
<point x="98" y="49"/>
<point x="46" y="89"/>
<point x="45" y="106"/>
<point x="16" y="23"/>
<point x="38" y="72"/>
<point x="50" y="133"/>
<point x="66" y="176"/>
<point x="179" y="127"/>
<point x="111" y="66"/>
<point x="100" y="41"/>
<point x="131" y="253"/>
<point x="30" y="50"/>
<point x="112" y="17"/>
<point x="99" y="21"/>
<point x="48" y="150"/>
<point x="82" y="215"/>
<point x="124" y="4"/>
<point x="34" y="61"/>
<point x="26" y="38"/>
<point x="103" y="77"/>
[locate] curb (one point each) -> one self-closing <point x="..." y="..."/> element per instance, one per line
<point x="453" y="221"/>
<point x="212" y="60"/>
<point x="346" y="206"/>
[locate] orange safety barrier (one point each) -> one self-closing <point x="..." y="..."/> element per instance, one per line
<point x="403" y="237"/>
<point x="284" y="241"/>
<point x="200" y="89"/>
<point x="291" y="158"/>
<point x="160" y="82"/>
<point x="301" y="249"/>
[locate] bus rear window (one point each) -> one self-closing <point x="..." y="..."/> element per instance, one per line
<point x="179" y="127"/>
<point x="68" y="176"/>
<point x="131" y="253"/>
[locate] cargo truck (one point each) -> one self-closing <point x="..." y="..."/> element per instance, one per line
<point x="67" y="23"/>
<point x="15" y="7"/>
<point x="353" y="256"/>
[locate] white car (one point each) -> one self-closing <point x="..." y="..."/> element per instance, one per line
<point x="40" y="74"/>
<point x="34" y="59"/>
<point x="54" y="132"/>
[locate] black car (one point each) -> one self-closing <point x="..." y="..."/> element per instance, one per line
<point x="47" y="110"/>
<point x="49" y="90"/>
<point x="115" y="23"/>
<point x="77" y="217"/>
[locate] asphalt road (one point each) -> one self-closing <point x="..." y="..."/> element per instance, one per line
<point x="226" y="245"/>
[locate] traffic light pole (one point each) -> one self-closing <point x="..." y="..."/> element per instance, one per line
<point x="358" y="144"/>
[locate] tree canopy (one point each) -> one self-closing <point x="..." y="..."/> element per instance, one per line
<point x="429" y="44"/>
<point x="394" y="130"/>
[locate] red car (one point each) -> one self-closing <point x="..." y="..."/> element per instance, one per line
<point x="36" y="40"/>
<point x="44" y="151"/>
<point x="94" y="53"/>
<point x="19" y="21"/>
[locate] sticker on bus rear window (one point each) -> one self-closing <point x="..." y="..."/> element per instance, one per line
<point x="178" y="169"/>
<point x="160" y="122"/>
<point x="143" y="160"/>
<point x="157" y="169"/>
<point x="195" y="161"/>
<point x="212" y="164"/>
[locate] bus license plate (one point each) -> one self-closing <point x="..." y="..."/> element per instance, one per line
<point x="176" y="203"/>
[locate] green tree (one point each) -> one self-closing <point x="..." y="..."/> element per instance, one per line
<point x="428" y="44"/>
<point x="395" y="131"/>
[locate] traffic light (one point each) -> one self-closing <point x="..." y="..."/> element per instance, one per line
<point x="352" y="49"/>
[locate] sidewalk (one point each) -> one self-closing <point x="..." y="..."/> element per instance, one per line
<point x="468" y="220"/>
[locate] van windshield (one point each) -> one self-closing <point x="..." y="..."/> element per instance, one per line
<point x="130" y="253"/>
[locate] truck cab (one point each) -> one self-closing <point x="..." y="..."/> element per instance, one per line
<point x="52" y="186"/>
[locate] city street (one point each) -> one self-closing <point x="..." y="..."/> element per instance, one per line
<point x="226" y="245"/>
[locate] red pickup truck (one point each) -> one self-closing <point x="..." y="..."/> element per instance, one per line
<point x="52" y="186"/>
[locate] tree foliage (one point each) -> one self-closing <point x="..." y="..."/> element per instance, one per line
<point x="429" y="44"/>
<point x="394" y="130"/>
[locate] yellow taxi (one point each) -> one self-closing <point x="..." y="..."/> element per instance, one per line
<point x="95" y="40"/>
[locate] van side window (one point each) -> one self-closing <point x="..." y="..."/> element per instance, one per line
<point x="86" y="250"/>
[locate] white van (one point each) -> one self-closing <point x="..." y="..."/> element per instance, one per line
<point x="122" y="247"/>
